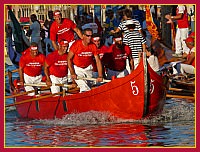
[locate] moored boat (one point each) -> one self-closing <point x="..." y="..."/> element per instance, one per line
<point x="138" y="95"/>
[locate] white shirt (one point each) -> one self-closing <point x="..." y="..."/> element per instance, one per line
<point x="153" y="62"/>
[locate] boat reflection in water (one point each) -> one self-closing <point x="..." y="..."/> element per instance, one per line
<point x="174" y="127"/>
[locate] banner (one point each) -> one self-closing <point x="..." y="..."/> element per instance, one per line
<point x="150" y="23"/>
<point x="20" y="40"/>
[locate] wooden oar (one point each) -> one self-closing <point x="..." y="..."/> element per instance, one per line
<point x="33" y="99"/>
<point x="91" y="79"/>
<point x="24" y="93"/>
<point x="16" y="70"/>
<point x="177" y="96"/>
<point x="181" y="90"/>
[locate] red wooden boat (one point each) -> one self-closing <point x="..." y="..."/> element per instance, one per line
<point x="138" y="95"/>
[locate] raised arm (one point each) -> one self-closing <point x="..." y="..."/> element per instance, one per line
<point x="78" y="31"/>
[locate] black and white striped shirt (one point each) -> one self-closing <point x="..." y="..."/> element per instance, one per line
<point x="122" y="26"/>
<point x="134" y="40"/>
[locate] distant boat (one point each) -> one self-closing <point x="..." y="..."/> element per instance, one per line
<point x="138" y="95"/>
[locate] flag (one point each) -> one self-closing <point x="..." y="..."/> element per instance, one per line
<point x="13" y="55"/>
<point x="150" y="24"/>
<point x="20" y="41"/>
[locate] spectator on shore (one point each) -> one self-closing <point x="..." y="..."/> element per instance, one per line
<point x="182" y="29"/>
<point x="34" y="32"/>
<point x="47" y="25"/>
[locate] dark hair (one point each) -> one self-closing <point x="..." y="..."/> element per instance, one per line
<point x="118" y="34"/>
<point x="151" y="50"/>
<point x="96" y="35"/>
<point x="34" y="44"/>
<point x="128" y="13"/>
<point x="33" y="16"/>
<point x="131" y="26"/>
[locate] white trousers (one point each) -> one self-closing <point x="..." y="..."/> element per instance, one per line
<point x="186" y="68"/>
<point x="181" y="35"/>
<point x="85" y="73"/>
<point x="57" y="80"/>
<point x="31" y="80"/>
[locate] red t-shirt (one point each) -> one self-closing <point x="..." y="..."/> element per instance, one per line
<point x="101" y="51"/>
<point x="188" y="57"/>
<point x="115" y="59"/>
<point x="57" y="64"/>
<point x="26" y="51"/>
<point x="63" y="31"/>
<point x="183" y="22"/>
<point x="83" y="55"/>
<point x="32" y="66"/>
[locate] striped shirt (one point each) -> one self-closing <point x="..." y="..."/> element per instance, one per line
<point x="134" y="40"/>
<point x="122" y="26"/>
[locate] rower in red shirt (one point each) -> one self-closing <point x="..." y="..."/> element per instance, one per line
<point x="56" y="67"/>
<point x="101" y="49"/>
<point x="80" y="58"/>
<point x="30" y="67"/>
<point x="115" y="59"/>
<point x="63" y="28"/>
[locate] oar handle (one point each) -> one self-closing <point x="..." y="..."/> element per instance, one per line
<point x="24" y="93"/>
<point x="43" y="84"/>
<point x="178" y="96"/>
<point x="16" y="70"/>
<point x="33" y="99"/>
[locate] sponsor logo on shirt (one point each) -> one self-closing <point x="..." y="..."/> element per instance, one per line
<point x="121" y="56"/>
<point x="63" y="30"/>
<point x="61" y="63"/>
<point x="33" y="64"/>
<point x="85" y="54"/>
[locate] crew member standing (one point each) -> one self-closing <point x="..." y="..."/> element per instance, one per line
<point x="80" y="58"/>
<point x="30" y="67"/>
<point x="63" y="28"/>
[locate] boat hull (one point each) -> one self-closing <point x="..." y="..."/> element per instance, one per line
<point x="133" y="97"/>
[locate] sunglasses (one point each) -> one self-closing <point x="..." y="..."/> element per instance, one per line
<point x="88" y="35"/>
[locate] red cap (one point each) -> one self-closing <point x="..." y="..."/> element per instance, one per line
<point x="189" y="39"/>
<point x="192" y="34"/>
<point x="56" y="12"/>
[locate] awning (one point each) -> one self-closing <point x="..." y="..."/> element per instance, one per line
<point x="24" y="19"/>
